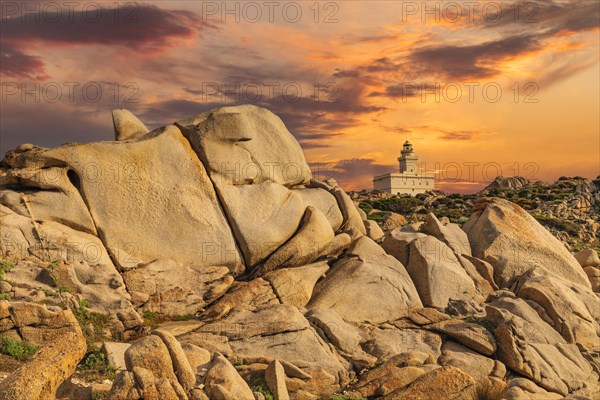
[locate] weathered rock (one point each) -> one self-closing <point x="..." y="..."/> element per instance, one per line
<point x="124" y="387"/>
<point x="345" y="337"/>
<point x="471" y="335"/>
<point x="153" y="178"/>
<point x="325" y="202"/>
<point x="511" y="182"/>
<point x="152" y="354"/>
<point x="524" y="389"/>
<point x="437" y="274"/>
<point x="353" y="223"/>
<point x="588" y="258"/>
<point x="441" y="383"/>
<point x="373" y="230"/>
<point x="37" y="323"/>
<point x="471" y="362"/>
<point x="426" y="316"/>
<point x="243" y="295"/>
<point x="281" y="332"/>
<point x="337" y="246"/>
<point x="392" y="221"/>
<point x="79" y="262"/>
<point x="305" y="246"/>
<point x="530" y="347"/>
<point x="484" y="268"/>
<point x="146" y="383"/>
<point x="222" y="382"/>
<point x="39" y="378"/>
<point x="115" y="354"/>
<point x="275" y="378"/>
<point x="593" y="274"/>
<point x="451" y="234"/>
<point x="573" y="309"/>
<point x="246" y="145"/>
<point x="127" y="126"/>
<point x="393" y="374"/>
<point x="171" y="288"/>
<point x="386" y="343"/>
<point x="263" y="217"/>
<point x="183" y="370"/>
<point x="196" y="356"/>
<point x="295" y="286"/>
<point x="397" y="243"/>
<point x="510" y="239"/>
<point x="211" y="342"/>
<point x="386" y="291"/>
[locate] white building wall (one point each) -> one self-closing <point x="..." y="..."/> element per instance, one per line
<point x="404" y="183"/>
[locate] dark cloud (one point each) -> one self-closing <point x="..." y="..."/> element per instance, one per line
<point x="474" y="61"/>
<point x="16" y="64"/>
<point x="547" y="15"/>
<point x="140" y="27"/>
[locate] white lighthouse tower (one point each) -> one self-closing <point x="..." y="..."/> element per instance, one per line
<point x="409" y="180"/>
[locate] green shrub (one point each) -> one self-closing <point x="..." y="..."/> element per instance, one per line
<point x="64" y="289"/>
<point x="4" y="296"/>
<point x="185" y="317"/>
<point x="92" y="323"/>
<point x="366" y="207"/>
<point x="151" y="319"/>
<point x="17" y="349"/>
<point x="95" y="363"/>
<point x="258" y="384"/>
<point x="5" y="266"/>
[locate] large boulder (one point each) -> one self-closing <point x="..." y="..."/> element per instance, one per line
<point x="386" y="342"/>
<point x="441" y="383"/>
<point x="366" y="285"/>
<point x="39" y="378"/>
<point x="588" y="258"/>
<point x="35" y="323"/>
<point x="246" y="145"/>
<point x="222" y="381"/>
<point x="132" y="187"/>
<point x="450" y="233"/>
<point x="510" y="239"/>
<point x="281" y="332"/>
<point x="295" y="286"/>
<point x="438" y="275"/>
<point x="573" y="310"/>
<point x="532" y="348"/>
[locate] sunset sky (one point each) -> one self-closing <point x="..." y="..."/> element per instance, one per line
<point x="479" y="88"/>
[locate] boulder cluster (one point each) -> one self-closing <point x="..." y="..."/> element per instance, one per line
<point x="209" y="264"/>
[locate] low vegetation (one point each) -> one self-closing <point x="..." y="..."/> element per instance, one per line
<point x="93" y="324"/>
<point x="95" y="366"/>
<point x="17" y="349"/>
<point x="5" y="266"/>
<point x="258" y="384"/>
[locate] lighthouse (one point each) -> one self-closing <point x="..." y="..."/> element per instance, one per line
<point x="409" y="180"/>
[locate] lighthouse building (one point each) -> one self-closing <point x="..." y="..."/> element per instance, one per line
<point x="409" y="180"/>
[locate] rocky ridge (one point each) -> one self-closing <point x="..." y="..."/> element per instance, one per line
<point x="201" y="260"/>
